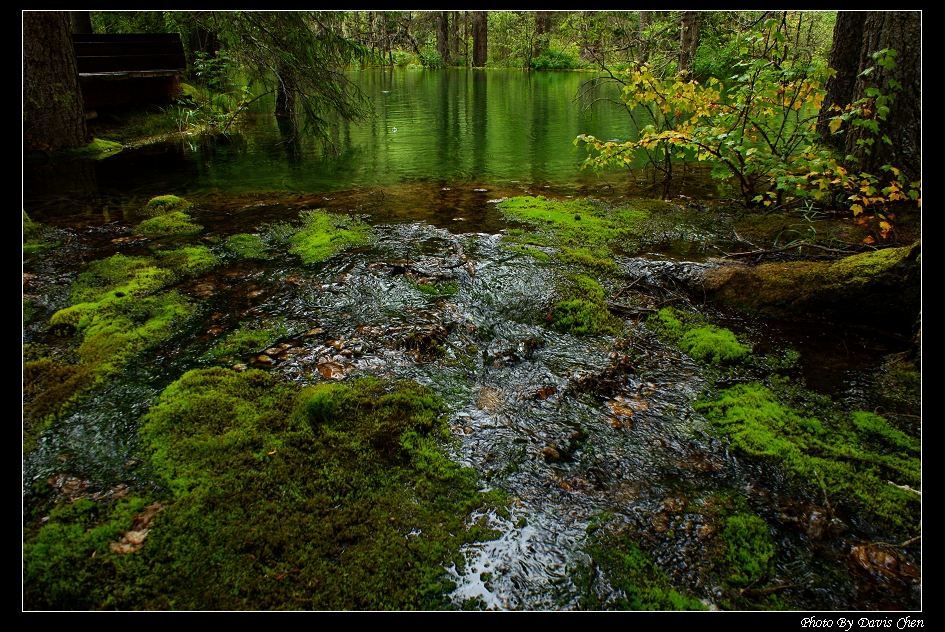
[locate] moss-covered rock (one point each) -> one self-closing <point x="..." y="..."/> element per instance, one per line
<point x="438" y="288"/>
<point x="187" y="261"/>
<point x="36" y="237"/>
<point x="169" y="224"/>
<point x="858" y="460"/>
<point x="97" y="149"/>
<point x="323" y="235"/>
<point x="164" y="204"/>
<point x="338" y="496"/>
<point x="880" y="286"/>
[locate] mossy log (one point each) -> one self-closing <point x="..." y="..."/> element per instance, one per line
<point x="880" y="287"/>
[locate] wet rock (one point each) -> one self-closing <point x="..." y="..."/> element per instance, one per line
<point x="551" y="453"/>
<point x="489" y="399"/>
<point x="545" y="392"/>
<point x="263" y="360"/>
<point x="239" y="367"/>
<point x="70" y="487"/>
<point x="314" y="331"/>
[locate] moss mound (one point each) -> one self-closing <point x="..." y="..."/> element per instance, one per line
<point x="336" y="496"/>
<point x="164" y="204"/>
<point x="704" y="343"/>
<point x="584" y="309"/>
<point x="246" y="246"/>
<point x="169" y="224"/>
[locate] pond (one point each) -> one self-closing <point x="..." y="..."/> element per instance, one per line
<point x="584" y="434"/>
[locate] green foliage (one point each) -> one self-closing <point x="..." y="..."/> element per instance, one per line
<point x="555" y="60"/>
<point x="756" y="127"/>
<point x="36" y="237"/>
<point x="323" y="235"/>
<point x="831" y="454"/>
<point x="637" y="582"/>
<point x="749" y="549"/>
<point x="164" y="204"/>
<point x="170" y="224"/>
<point x="249" y="338"/>
<point x="704" y="343"/>
<point x="246" y="246"/>
<point x="584" y="309"/>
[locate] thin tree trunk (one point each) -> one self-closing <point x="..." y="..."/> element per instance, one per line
<point x="646" y="17"/>
<point x="53" y="110"/>
<point x="480" y="28"/>
<point x="81" y="22"/>
<point x="454" y="34"/>
<point x="442" y="36"/>
<point x="688" y="40"/>
<point x="845" y="59"/>
<point x="285" y="97"/>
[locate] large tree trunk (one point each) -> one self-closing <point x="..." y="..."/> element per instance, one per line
<point x="443" y="36"/>
<point x="81" y="22"/>
<point x="646" y="17"/>
<point x="688" y="39"/>
<point x="480" y="33"/>
<point x="542" y="31"/>
<point x="901" y="31"/>
<point x="878" y="288"/>
<point x="845" y="59"/>
<point x="53" y="111"/>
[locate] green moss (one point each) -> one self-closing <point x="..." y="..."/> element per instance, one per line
<point x="322" y="235"/>
<point x="597" y="259"/>
<point x="164" y="204"/>
<point x="636" y="581"/>
<point x="575" y="223"/>
<point x="245" y="340"/>
<point x="704" y="343"/>
<point x="246" y="246"/>
<point x="49" y="388"/>
<point x="584" y="309"/>
<point x="830" y="455"/>
<point x="173" y="223"/>
<point x="99" y="148"/>
<point x="334" y="497"/>
<point x="67" y="563"/>
<point x="535" y="253"/>
<point x="118" y="277"/>
<point x="442" y="288"/>
<point x="712" y="345"/>
<point x="187" y="261"/>
<point x="749" y="549"/>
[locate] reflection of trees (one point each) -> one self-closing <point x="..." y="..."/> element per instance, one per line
<point x="538" y="127"/>
<point x="480" y="104"/>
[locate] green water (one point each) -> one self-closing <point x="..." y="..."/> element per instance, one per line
<point x="455" y="127"/>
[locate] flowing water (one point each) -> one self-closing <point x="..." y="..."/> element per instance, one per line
<point x="569" y="426"/>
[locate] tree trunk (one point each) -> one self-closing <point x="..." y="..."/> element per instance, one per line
<point x="454" y="34"/>
<point x="688" y="40"/>
<point x="81" y="22"/>
<point x="285" y="97"/>
<point x="542" y="31"/>
<point x="53" y="110"/>
<point x="646" y="18"/>
<point x="845" y="59"/>
<point x="877" y="287"/>
<point x="443" y="36"/>
<point x="902" y="32"/>
<point x="480" y="33"/>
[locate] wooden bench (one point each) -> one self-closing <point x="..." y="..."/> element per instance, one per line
<point x="126" y="69"/>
